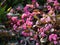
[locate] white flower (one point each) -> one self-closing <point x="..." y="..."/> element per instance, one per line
<point x="52" y="30"/>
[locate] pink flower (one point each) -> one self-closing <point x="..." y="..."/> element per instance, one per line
<point x="53" y="37"/>
<point x="55" y="42"/>
<point x="49" y="1"/>
<point x="47" y="28"/>
<point x="18" y="22"/>
<point x="35" y="37"/>
<point x="26" y="9"/>
<point x="12" y="11"/>
<point x="24" y="15"/>
<point x="37" y="43"/>
<point x="37" y="5"/>
<point x="33" y="0"/>
<point x="14" y="26"/>
<point x="24" y="26"/>
<point x="56" y="3"/>
<point x="50" y="37"/>
<point x="14" y="18"/>
<point x="42" y="34"/>
<point x="49" y="7"/>
<point x="23" y="32"/>
<point x="18" y="8"/>
<point x="31" y="33"/>
<point x="41" y="29"/>
<point x="29" y="23"/>
<point x="42" y="19"/>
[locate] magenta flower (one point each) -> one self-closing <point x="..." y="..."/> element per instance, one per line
<point x="37" y="5"/>
<point x="56" y="3"/>
<point x="55" y="42"/>
<point x="48" y="19"/>
<point x="49" y="7"/>
<point x="24" y="15"/>
<point x="26" y="9"/>
<point x="29" y="18"/>
<point x="29" y="23"/>
<point x="42" y="34"/>
<point x="53" y="37"/>
<point x="25" y="34"/>
<point x="18" y="22"/>
<point x="50" y="37"/>
<point x="14" y="18"/>
<point x="41" y="29"/>
<point x="48" y="27"/>
<point x="14" y="26"/>
<point x="33" y="0"/>
<point x="24" y="26"/>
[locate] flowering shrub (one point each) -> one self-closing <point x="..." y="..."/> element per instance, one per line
<point x="35" y="26"/>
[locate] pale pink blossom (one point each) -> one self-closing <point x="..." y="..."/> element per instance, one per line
<point x="24" y="26"/>
<point x="18" y="22"/>
<point x="14" y="26"/>
<point x="55" y="42"/>
<point x="12" y="11"/>
<point x="29" y="23"/>
<point x="18" y="8"/>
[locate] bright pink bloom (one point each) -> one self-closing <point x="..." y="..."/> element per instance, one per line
<point x="41" y="29"/>
<point x="53" y="37"/>
<point x="24" y="26"/>
<point x="14" y="26"/>
<point x="29" y="23"/>
<point x="24" y="15"/>
<point x="18" y="22"/>
<point x="14" y="18"/>
<point x="26" y="9"/>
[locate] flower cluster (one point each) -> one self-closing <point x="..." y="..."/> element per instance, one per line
<point x="36" y="24"/>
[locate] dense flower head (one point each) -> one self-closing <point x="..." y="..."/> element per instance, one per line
<point x="53" y="37"/>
